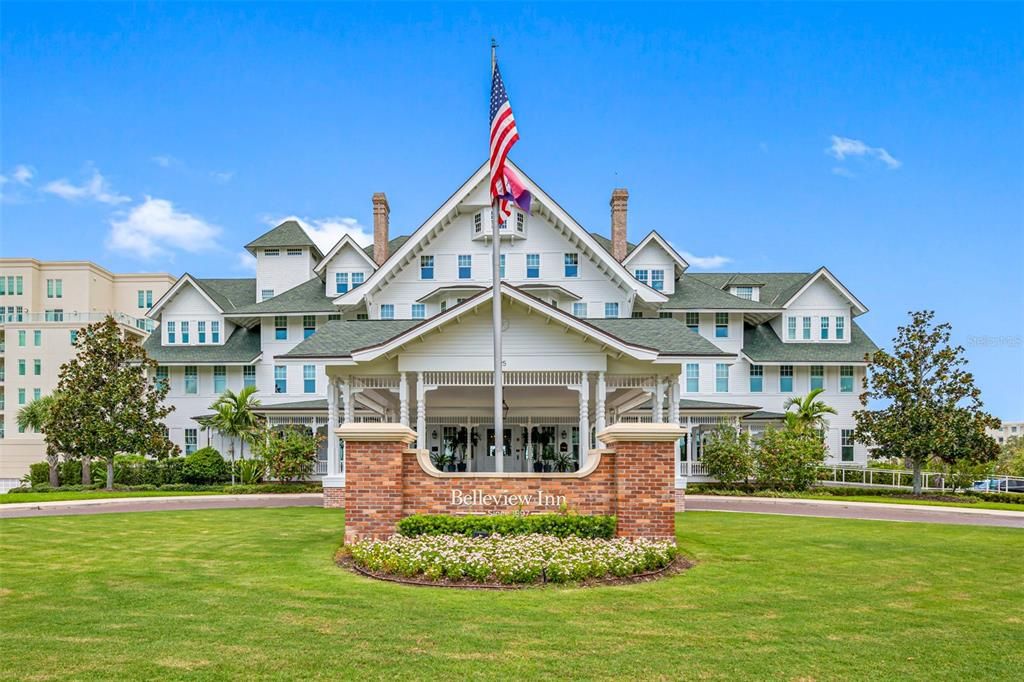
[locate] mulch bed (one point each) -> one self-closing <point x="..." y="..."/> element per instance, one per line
<point x="678" y="565"/>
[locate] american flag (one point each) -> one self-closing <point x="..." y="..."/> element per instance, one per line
<point x="504" y="183"/>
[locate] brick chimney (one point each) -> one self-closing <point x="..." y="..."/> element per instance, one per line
<point x="620" y="197"/>
<point x="381" y="210"/>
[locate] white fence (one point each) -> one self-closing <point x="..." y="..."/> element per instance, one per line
<point x="899" y="478"/>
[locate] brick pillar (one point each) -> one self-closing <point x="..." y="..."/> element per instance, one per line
<point x="373" y="478"/>
<point x="645" y="494"/>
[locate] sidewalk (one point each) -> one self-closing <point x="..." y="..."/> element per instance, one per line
<point x="169" y="503"/>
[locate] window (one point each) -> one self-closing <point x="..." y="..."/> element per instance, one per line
<point x="340" y="282"/>
<point x="191" y="379"/>
<point x="170" y="332"/>
<point x="21" y="368"/>
<point x="756" y="378"/>
<point x="692" y="377"/>
<point x="191" y="440"/>
<point x="21" y="396"/>
<point x="294" y="252"/>
<point x="141" y="293"/>
<point x="37" y="393"/>
<point x="791" y="328"/>
<point x="641" y="275"/>
<point x="693" y="322"/>
<point x="308" y="326"/>
<point x="201" y="330"/>
<point x="280" y="328"/>
<point x="37" y="367"/>
<point x="721" y="325"/>
<point x="22" y="336"/>
<point x="333" y="317"/>
<point x="846" y="379"/>
<point x="807" y="329"/>
<point x="54" y="315"/>
<point x="746" y="293"/>
<point x="74" y="336"/>
<point x="840" y="327"/>
<point x="54" y="288"/>
<point x="532" y="265"/>
<point x="220" y="378"/>
<point x="215" y="331"/>
<point x="248" y="376"/>
<point x="665" y="316"/>
<point x="785" y="378"/>
<point x="37" y="337"/>
<point x="357" y="279"/>
<point x="824" y="328"/>
<point x="572" y="265"/>
<point x="19" y="282"/>
<point x="184" y="331"/>
<point x="387" y="311"/>
<point x="271" y="252"/>
<point x="846" y="444"/>
<point x="817" y="376"/>
<point x="501" y="266"/>
<point x="721" y="378"/>
<point x="465" y="267"/>
<point x="520" y="221"/>
<point x="162" y="377"/>
<point x="280" y="379"/>
<point x="478" y="223"/>
<point x="637" y="315"/>
<point x="611" y="310"/>
<point x="3" y="286"/>
<point x="419" y="311"/>
<point x="658" y="280"/>
<point x="579" y="309"/>
<point x="444" y="305"/>
<point x="266" y="294"/>
<point x="426" y="267"/>
<point x="309" y="378"/>
<point x="362" y="316"/>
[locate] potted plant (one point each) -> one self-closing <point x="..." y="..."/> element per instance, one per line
<point x="460" y="442"/>
<point x="440" y="459"/>
<point x="541" y="438"/>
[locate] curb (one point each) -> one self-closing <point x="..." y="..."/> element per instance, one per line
<point x="859" y="505"/>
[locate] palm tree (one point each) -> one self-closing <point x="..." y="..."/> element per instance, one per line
<point x="36" y="416"/>
<point x="809" y="414"/>
<point x="235" y="417"/>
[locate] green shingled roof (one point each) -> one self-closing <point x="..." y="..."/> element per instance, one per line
<point x="776" y="287"/>
<point x="693" y="293"/>
<point x="242" y="346"/>
<point x="665" y="335"/>
<point x="761" y="344"/>
<point x="393" y="245"/>
<point x="308" y="297"/>
<point x="339" y="338"/>
<point x="607" y="243"/>
<point x="229" y="294"/>
<point x="288" y="233"/>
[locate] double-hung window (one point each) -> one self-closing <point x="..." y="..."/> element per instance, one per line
<point x="280" y="379"/>
<point x="266" y="294"/>
<point x="840" y="327"/>
<point x="721" y="378"/>
<point x="21" y="367"/>
<point x="419" y="311"/>
<point x="340" y="282"/>
<point x="721" y="325"/>
<point x="785" y="378"/>
<point x="387" y="311"/>
<point x="309" y="378"/>
<point x="145" y="298"/>
<point x="611" y="310"/>
<point x="426" y="267"/>
<point x="692" y="377"/>
<point x="22" y="399"/>
<point x="280" y="328"/>
<point x="191" y="440"/>
<point x="693" y="322"/>
<point x="579" y="309"/>
<point x="532" y="266"/>
<point x="756" y="378"/>
<point x="824" y="328"/>
<point x="201" y="330"/>
<point x="746" y="293"/>
<point x="162" y="377"/>
<point x="658" y="280"/>
<point x="191" y="379"/>
<point x="807" y="329"/>
<point x="308" y="326"/>
<point x="22" y="337"/>
<point x="466" y="266"/>
<point x="846" y="379"/>
<point x="248" y="376"/>
<point x="220" y="379"/>
<point x="501" y="266"/>
<point x="37" y="337"/>
<point x="817" y="377"/>
<point x="641" y="275"/>
<point x="37" y="367"/>
<point x="184" y="331"/>
<point x="846" y="444"/>
<point x="170" y="332"/>
<point x="55" y="288"/>
<point x="357" y="278"/>
<point x="572" y="264"/>
<point x="74" y="336"/>
<point x="791" y="328"/>
<point x="215" y="331"/>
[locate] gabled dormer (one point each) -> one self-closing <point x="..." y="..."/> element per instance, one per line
<point x="192" y="312"/>
<point x="285" y="258"/>
<point x="655" y="263"/>
<point x="819" y="310"/>
<point x="346" y="266"/>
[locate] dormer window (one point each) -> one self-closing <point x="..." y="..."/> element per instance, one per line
<point x="641" y="275"/>
<point x="658" y="280"/>
<point x="271" y="252"/>
<point x="746" y="293"/>
<point x="840" y="328"/>
<point x="294" y="252"/>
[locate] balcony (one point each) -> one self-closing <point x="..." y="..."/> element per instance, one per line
<point x="74" y="317"/>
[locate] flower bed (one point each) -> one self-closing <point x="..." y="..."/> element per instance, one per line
<point x="510" y="559"/>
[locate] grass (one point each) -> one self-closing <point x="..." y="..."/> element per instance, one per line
<point x="980" y="504"/>
<point x="98" y="495"/>
<point x="254" y="594"/>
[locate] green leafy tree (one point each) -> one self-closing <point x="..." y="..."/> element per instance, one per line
<point x="36" y="417"/>
<point x="106" y="404"/>
<point x="289" y="452"/>
<point x="932" y="408"/>
<point x="785" y="458"/>
<point x="1011" y="457"/>
<point x="809" y="414"/>
<point x="235" y="417"/>
<point x="728" y="455"/>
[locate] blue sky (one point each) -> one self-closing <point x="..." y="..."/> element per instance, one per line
<point x="884" y="141"/>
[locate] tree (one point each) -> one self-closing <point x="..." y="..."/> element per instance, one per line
<point x="1011" y="457"/>
<point x="290" y="452"/>
<point x="809" y="414"/>
<point x="786" y="458"/>
<point x="932" y="407"/>
<point x="235" y="417"/>
<point x="36" y="416"/>
<point x="106" y="403"/>
<point x="728" y="455"/>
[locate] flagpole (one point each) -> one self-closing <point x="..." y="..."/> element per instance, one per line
<point x="499" y="426"/>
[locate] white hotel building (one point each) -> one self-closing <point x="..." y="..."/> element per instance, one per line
<point x="596" y="330"/>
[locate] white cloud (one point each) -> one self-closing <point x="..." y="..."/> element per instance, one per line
<point x="155" y="226"/>
<point x="96" y="188"/>
<point x="843" y="147"/>
<point x="325" y="232"/>
<point x="705" y="262"/>
<point x="23" y="174"/>
<point x="245" y="261"/>
<point x="839" y="170"/>
<point x="222" y="176"/>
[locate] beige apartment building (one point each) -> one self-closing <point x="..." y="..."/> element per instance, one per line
<point x="42" y="305"/>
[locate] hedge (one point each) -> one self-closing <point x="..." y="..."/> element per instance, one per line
<point x="757" y="491"/>
<point x="559" y="525"/>
<point x="280" y="488"/>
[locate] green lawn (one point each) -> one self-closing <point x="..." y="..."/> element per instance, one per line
<point x="96" y="495"/>
<point x="980" y="504"/>
<point x="254" y="594"/>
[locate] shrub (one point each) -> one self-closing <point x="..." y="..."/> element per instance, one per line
<point x="962" y="473"/>
<point x="289" y="453"/>
<point x="788" y="459"/>
<point x="278" y="488"/>
<point x="557" y="525"/>
<point x="728" y="455"/>
<point x="39" y="474"/>
<point x="205" y="465"/>
<point x="250" y="471"/>
<point x="70" y="472"/>
<point x="129" y="469"/>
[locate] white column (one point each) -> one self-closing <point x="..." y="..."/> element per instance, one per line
<point x="333" y="468"/>
<point x="673" y="399"/>
<point x="350" y="409"/>
<point x="584" y="417"/>
<point x="656" y="401"/>
<point x="601" y="393"/>
<point x="403" y="399"/>
<point x="421" y="412"/>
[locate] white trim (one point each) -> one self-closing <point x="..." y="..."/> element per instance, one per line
<point x="804" y="363"/>
<point x="654" y="236"/>
<point x="336" y="249"/>
<point x="170" y="293"/>
<point x="824" y="272"/>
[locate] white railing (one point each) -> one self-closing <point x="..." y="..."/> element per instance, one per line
<point x="692" y="469"/>
<point x="374" y="381"/>
<point x="483" y="378"/>
<point x="321" y="467"/>
<point x="75" y="316"/>
<point x="628" y="381"/>
<point x="840" y="475"/>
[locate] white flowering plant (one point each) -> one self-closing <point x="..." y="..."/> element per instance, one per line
<point x="511" y="559"/>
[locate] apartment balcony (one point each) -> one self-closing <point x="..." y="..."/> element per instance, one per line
<point x="74" y="317"/>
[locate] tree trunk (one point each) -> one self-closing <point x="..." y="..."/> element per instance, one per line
<point x="86" y="470"/>
<point x="54" y="479"/>
<point x="232" y="451"/>
<point x="110" y="473"/>
<point x="917" y="477"/>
